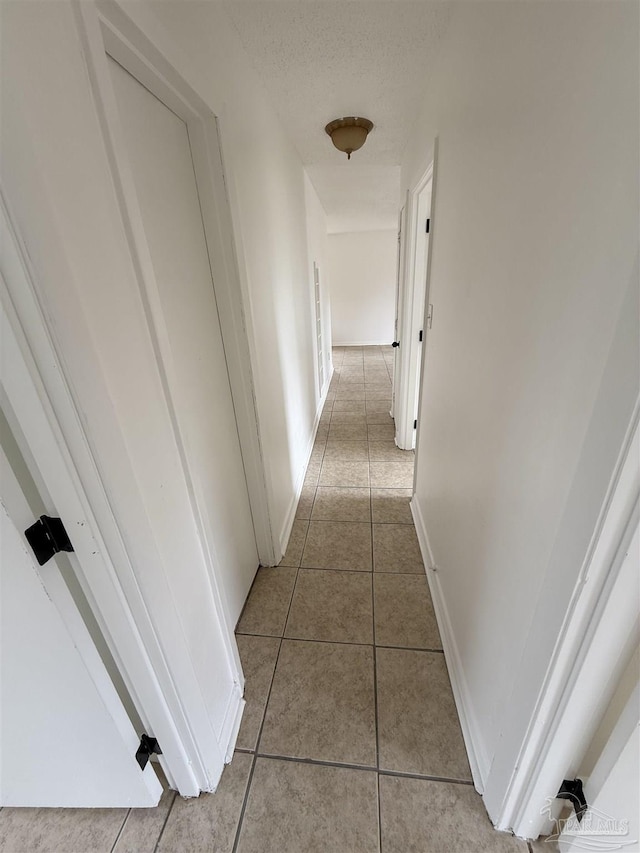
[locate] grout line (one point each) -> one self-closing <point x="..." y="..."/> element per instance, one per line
<point x="318" y="762"/>
<point x="121" y="830"/>
<point x="399" y="774"/>
<point x="266" y="704"/>
<point x="255" y="754"/>
<point x="345" y="642"/>
<point x="367" y="768"/>
<point x="379" y="813"/>
<point x="166" y="820"/>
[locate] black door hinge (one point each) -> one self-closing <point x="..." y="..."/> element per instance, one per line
<point x="420" y="335"/>
<point x="428" y="226"/>
<point x="46" y="537"/>
<point x="572" y="790"/>
<point x="395" y="344"/>
<point x="148" y="746"/>
<point x="415" y="424"/>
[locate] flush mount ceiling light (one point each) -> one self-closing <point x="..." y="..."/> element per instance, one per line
<point x="349" y="133"/>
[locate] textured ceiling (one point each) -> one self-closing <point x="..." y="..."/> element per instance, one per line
<point x="322" y="59"/>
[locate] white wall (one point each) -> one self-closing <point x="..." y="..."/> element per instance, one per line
<point x="534" y="241"/>
<point x="362" y="271"/>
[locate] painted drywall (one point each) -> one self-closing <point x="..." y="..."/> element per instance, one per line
<point x="525" y="398"/>
<point x="266" y="184"/>
<point x="362" y="273"/>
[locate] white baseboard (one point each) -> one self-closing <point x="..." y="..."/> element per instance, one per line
<point x="478" y="759"/>
<point x="231" y="724"/>
<point x="385" y="343"/>
<point x="285" y="532"/>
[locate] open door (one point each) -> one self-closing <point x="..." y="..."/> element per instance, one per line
<point x="413" y="321"/>
<point x="397" y="323"/>
<point x="65" y="737"/>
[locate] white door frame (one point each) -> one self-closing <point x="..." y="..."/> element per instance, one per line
<point x="105" y="28"/>
<point x="400" y="262"/>
<point x="411" y="318"/>
<point x="600" y="629"/>
<point x="62" y="465"/>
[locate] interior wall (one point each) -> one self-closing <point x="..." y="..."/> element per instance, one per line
<point x="362" y="269"/>
<point x="266" y="183"/>
<point x="535" y="111"/>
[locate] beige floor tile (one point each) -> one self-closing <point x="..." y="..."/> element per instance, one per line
<point x="380" y="432"/>
<point x="322" y="704"/>
<point x="335" y="503"/>
<point x="356" y="418"/>
<point x="387" y="451"/>
<point x="33" y="830"/>
<point x="392" y="475"/>
<point x="312" y="475"/>
<point x="417" y="816"/>
<point x="396" y="549"/>
<point x="418" y="728"/>
<point x="382" y="417"/>
<point x="317" y="454"/>
<point x="376" y="394"/>
<point x="349" y="406"/>
<point x="331" y="606"/>
<point x="349" y="394"/>
<point x="377" y="406"/>
<point x="319" y="442"/>
<point x="391" y="506"/>
<point x="344" y="472"/>
<point x="322" y="432"/>
<point x="347" y="385"/>
<point x="209" y="823"/>
<point x="338" y="545"/>
<point x="295" y="546"/>
<point x="265" y="611"/>
<point x="351" y="451"/>
<point x="404" y="612"/>
<point x="305" y="502"/>
<point x="258" y="656"/>
<point x="304" y="808"/>
<point x="544" y="845"/>
<point x="348" y="432"/>
<point x="143" y="826"/>
<point x="313" y="469"/>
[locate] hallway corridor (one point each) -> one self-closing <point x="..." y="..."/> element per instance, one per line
<point x="350" y="735"/>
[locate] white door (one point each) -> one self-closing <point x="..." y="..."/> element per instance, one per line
<point x="412" y="320"/>
<point x="397" y="324"/>
<point x="158" y="151"/>
<point x="65" y="739"/>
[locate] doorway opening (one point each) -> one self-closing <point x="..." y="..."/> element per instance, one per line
<point x="414" y="313"/>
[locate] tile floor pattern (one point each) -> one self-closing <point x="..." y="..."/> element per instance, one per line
<point x="350" y="740"/>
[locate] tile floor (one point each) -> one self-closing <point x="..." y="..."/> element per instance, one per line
<point x="350" y="739"/>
